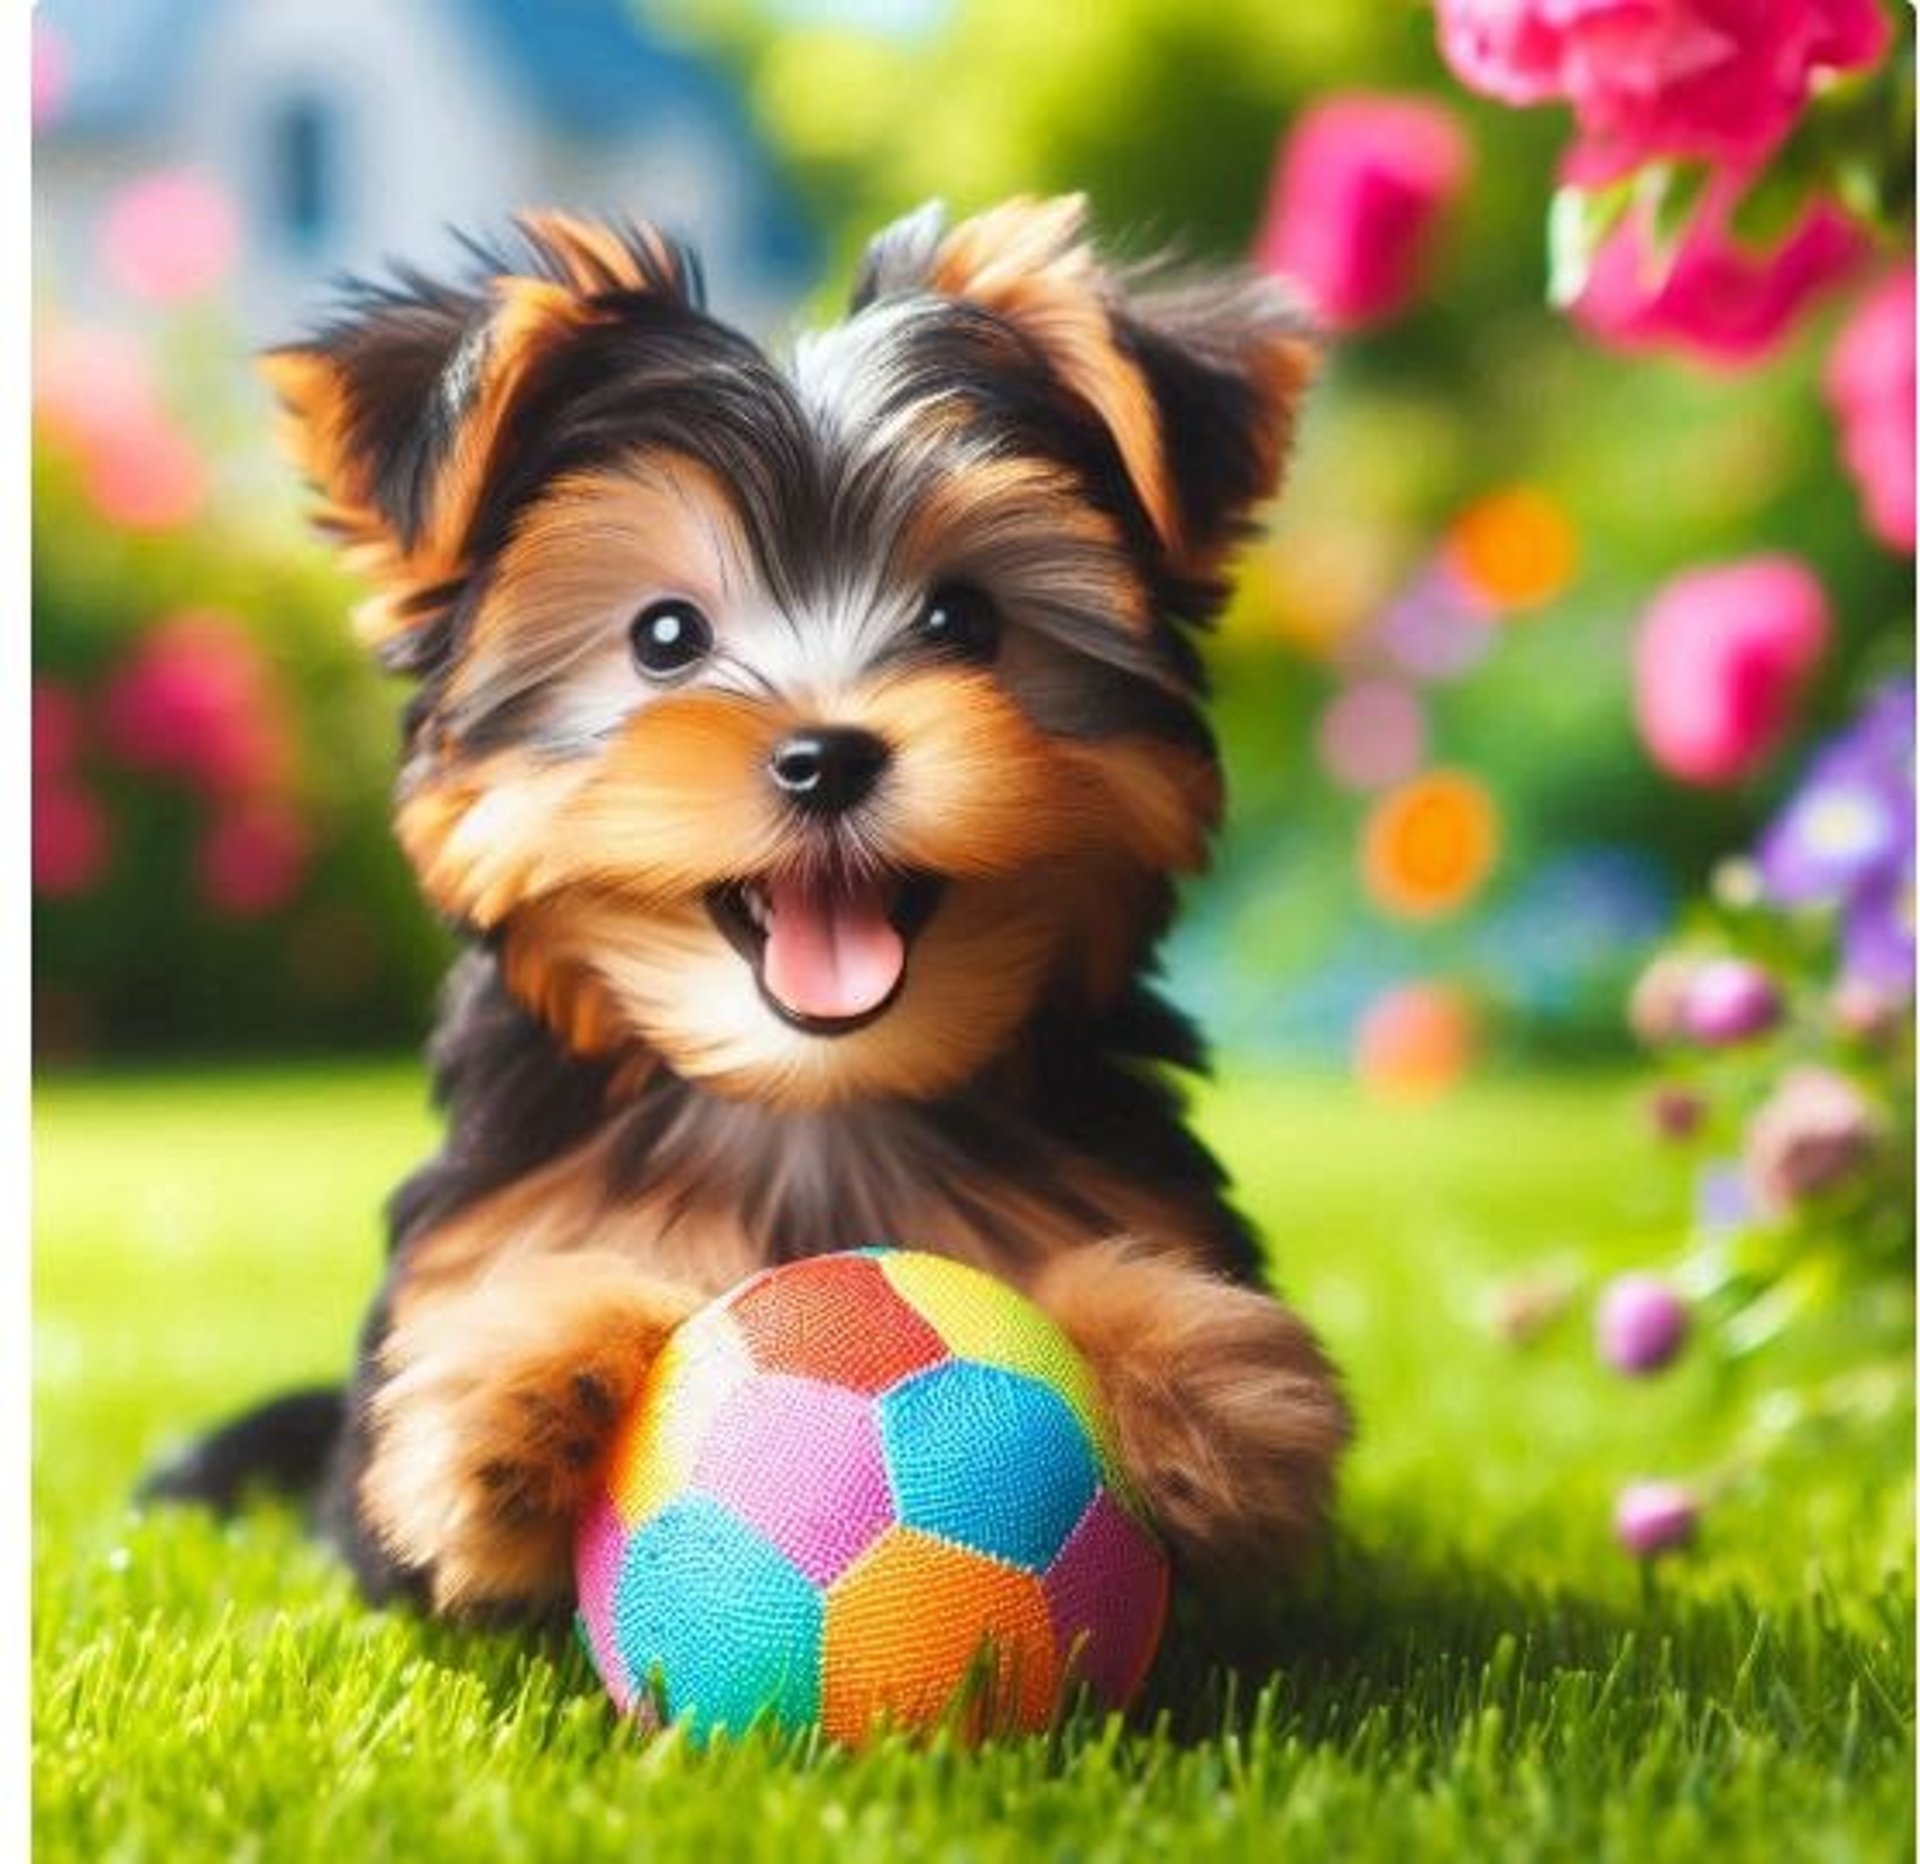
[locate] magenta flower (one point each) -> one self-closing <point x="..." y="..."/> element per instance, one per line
<point x="145" y="475"/>
<point x="1640" y="1325"/>
<point x="1653" y="1517"/>
<point x="72" y="839"/>
<point x="196" y="700"/>
<point x="253" y="858"/>
<point x="1870" y="387"/>
<point x="169" y="236"/>
<point x="1708" y="80"/>
<point x="1813" y="1133"/>
<point x="1719" y="663"/>
<point x="1358" y="189"/>
<point x="1729" y="1000"/>
<point x="59" y="726"/>
<point x="1716" y="301"/>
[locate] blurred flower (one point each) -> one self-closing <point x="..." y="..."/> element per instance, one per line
<point x="1728" y="1000"/>
<point x="1414" y="1043"/>
<point x="1715" y="80"/>
<point x="1358" y="188"/>
<point x="1719" y="662"/>
<point x="50" y="61"/>
<point x="1814" y="1131"/>
<point x="1660" y="991"/>
<point x="89" y="383"/>
<point x="1862" y="1012"/>
<point x="1652" y="1517"/>
<point x="71" y="838"/>
<point x="58" y="728"/>
<point x="1436" y="628"/>
<point x="253" y="858"/>
<point x="196" y="699"/>
<point x="1640" y="1325"/>
<point x="1722" y="1202"/>
<point x="1428" y="845"/>
<point x="1877" y="937"/>
<point x="1514" y="548"/>
<point x="1675" y="1112"/>
<point x="1519" y="1311"/>
<point x="1715" y="299"/>
<point x="169" y="236"/>
<point x="1372" y="734"/>
<point x="1870" y="386"/>
<point x="146" y="476"/>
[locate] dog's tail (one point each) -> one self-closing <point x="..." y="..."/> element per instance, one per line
<point x="284" y="1445"/>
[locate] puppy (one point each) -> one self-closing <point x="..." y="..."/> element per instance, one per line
<point x="807" y="757"/>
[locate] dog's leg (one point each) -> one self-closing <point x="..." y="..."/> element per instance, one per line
<point x="491" y="1409"/>
<point x="1228" y="1414"/>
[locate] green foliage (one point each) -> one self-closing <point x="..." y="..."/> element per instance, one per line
<point x="1477" y="1675"/>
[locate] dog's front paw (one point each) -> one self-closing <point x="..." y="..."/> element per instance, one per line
<point x="1228" y="1414"/>
<point x="496" y="1411"/>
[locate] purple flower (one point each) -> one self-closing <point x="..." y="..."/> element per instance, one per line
<point x="1641" y="1324"/>
<point x="1728" y="1000"/>
<point x="1876" y="941"/>
<point x="1722" y="1203"/>
<point x="1651" y="1517"/>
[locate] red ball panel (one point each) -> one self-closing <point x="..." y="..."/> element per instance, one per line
<point x="837" y="1319"/>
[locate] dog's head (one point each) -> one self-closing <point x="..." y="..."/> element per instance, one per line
<point x="806" y="729"/>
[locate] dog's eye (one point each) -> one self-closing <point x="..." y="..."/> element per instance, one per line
<point x="960" y="620"/>
<point x="668" y="637"/>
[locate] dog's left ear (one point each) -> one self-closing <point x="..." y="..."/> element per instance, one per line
<point x="1196" y="382"/>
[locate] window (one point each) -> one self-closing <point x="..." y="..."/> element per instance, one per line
<point x="303" y="171"/>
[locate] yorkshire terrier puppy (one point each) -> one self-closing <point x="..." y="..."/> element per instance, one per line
<point x="808" y="756"/>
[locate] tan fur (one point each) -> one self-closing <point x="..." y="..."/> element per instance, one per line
<point x="498" y="1407"/>
<point x="1228" y="1414"/>
<point x="1031" y="261"/>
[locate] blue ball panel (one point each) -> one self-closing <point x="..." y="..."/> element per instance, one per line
<point x="725" y="1623"/>
<point x="990" y="1459"/>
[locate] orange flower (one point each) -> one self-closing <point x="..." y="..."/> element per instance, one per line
<point x="1429" y="844"/>
<point x="1414" y="1043"/>
<point x="1514" y="548"/>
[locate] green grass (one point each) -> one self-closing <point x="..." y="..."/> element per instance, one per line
<point x="1477" y="1674"/>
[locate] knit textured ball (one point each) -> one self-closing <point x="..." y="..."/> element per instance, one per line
<point x="865" y="1490"/>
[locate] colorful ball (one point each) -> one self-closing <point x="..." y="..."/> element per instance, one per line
<point x="862" y="1490"/>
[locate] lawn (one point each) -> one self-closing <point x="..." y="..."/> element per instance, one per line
<point x="1477" y="1674"/>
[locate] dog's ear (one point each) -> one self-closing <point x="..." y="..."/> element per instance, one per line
<point x="1196" y="382"/>
<point x="396" y="410"/>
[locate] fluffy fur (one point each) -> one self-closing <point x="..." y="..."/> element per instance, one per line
<point x="975" y="523"/>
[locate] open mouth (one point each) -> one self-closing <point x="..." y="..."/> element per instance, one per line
<point x="829" y="953"/>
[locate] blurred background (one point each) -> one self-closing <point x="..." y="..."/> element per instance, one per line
<point x="1456" y="831"/>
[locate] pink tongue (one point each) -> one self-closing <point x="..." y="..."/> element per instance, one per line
<point x="830" y="951"/>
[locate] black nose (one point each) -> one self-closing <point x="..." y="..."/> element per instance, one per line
<point x="828" y="769"/>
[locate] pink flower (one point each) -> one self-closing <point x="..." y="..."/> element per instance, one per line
<point x="1357" y="190"/>
<point x="169" y="236"/>
<point x="196" y="700"/>
<point x="145" y="475"/>
<point x="1373" y="735"/>
<point x="71" y="839"/>
<point x="50" y="60"/>
<point x="58" y="728"/>
<point x="1651" y="1517"/>
<point x="1815" y="1131"/>
<point x="1716" y="300"/>
<point x="1641" y="1324"/>
<point x="1711" y="80"/>
<point x="253" y="858"/>
<point x="1870" y="386"/>
<point x="1729" y="1000"/>
<point x="1720" y="660"/>
<point x="89" y="383"/>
